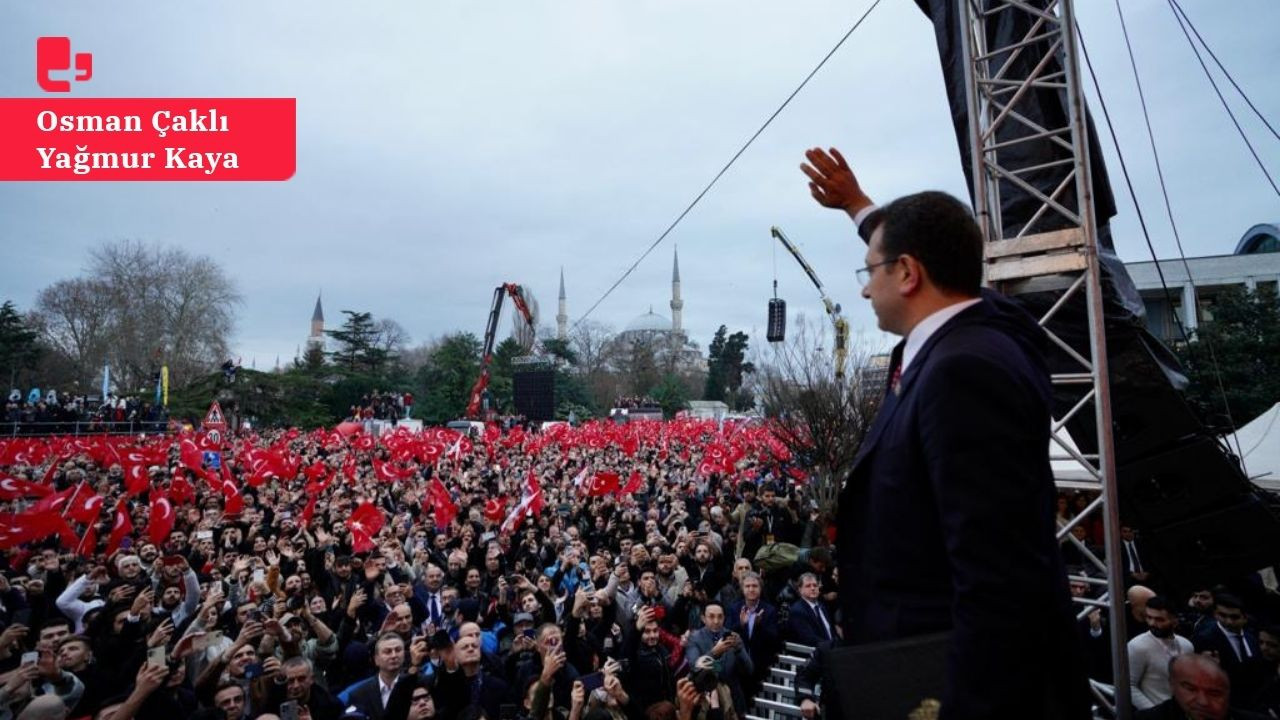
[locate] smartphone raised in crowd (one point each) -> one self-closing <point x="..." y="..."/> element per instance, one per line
<point x="592" y="682"/>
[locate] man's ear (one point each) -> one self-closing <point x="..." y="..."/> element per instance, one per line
<point x="911" y="275"/>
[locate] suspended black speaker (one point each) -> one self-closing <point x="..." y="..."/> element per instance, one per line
<point x="777" y="320"/>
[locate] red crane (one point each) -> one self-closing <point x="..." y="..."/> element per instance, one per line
<point x="495" y="311"/>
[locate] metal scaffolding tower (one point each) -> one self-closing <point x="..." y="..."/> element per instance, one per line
<point x="1058" y="243"/>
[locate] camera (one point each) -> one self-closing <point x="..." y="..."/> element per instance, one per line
<point x="705" y="680"/>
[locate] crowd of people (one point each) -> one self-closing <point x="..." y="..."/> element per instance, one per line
<point x="382" y="405"/>
<point x="52" y="412"/>
<point x="605" y="571"/>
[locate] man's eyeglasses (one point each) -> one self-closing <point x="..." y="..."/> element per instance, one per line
<point x="423" y="697"/>
<point x="864" y="274"/>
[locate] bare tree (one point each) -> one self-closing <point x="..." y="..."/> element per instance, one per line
<point x="390" y="337"/>
<point x="75" y="319"/>
<point x="589" y="340"/>
<point x="821" y="421"/>
<point x="139" y="308"/>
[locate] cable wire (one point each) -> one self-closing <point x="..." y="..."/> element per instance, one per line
<point x="726" y="167"/>
<point x="1223" y="68"/>
<point x="1128" y="181"/>
<point x="1223" y="100"/>
<point x="1164" y="191"/>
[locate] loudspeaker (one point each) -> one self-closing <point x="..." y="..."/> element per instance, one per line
<point x="1178" y="484"/>
<point x="1224" y="544"/>
<point x="534" y="392"/>
<point x="777" y="328"/>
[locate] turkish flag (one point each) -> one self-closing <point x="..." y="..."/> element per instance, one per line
<point x="533" y="491"/>
<point x="603" y="484"/>
<point x="136" y="480"/>
<point x="12" y="488"/>
<point x="364" y="524"/>
<point x="161" y="521"/>
<point x="495" y="509"/>
<point x="444" y="508"/>
<point x="122" y="528"/>
<point x="310" y="510"/>
<point x="86" y="505"/>
<point x="55" y="501"/>
<point x="634" y="483"/>
<point x="31" y="526"/>
<point x="228" y="486"/>
<point x="181" y="491"/>
<point x="89" y="541"/>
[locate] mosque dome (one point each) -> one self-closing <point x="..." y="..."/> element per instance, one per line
<point x="649" y="322"/>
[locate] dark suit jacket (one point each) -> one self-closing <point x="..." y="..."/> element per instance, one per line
<point x="805" y="627"/>
<point x="1247" y="676"/>
<point x="947" y="520"/>
<point x="367" y="698"/>
<point x="763" y="641"/>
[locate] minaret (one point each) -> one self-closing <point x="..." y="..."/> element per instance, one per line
<point x="677" y="305"/>
<point x="562" y="316"/>
<point x="317" y="326"/>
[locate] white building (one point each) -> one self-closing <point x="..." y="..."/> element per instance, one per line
<point x="1254" y="264"/>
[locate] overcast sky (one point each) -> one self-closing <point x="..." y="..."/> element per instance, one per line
<point x="447" y="146"/>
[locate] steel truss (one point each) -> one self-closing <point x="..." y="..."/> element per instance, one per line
<point x="1017" y="257"/>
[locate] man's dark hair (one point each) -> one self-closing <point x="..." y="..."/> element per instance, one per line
<point x="939" y="231"/>
<point x="1227" y="600"/>
<point x="55" y="622"/>
<point x="1159" y="602"/>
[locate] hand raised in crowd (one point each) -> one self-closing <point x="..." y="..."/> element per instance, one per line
<point x="12" y="636"/>
<point x="686" y="699"/>
<point x="551" y="664"/>
<point x="160" y="636"/>
<point x="150" y="678"/>
<point x="357" y="601"/>
<point x="252" y="631"/>
<point x="832" y="182"/>
<point x="143" y="603"/>
<point x="121" y="593"/>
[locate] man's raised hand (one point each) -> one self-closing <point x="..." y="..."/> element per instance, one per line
<point x="832" y="182"/>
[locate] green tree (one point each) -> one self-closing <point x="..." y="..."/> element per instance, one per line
<point x="358" y="349"/>
<point x="1233" y="360"/>
<point x="561" y="349"/>
<point x="445" y="381"/>
<point x="670" y="395"/>
<point x="266" y="399"/>
<point x="502" y="374"/>
<point x="312" y="360"/>
<point x="19" y="346"/>
<point x="726" y="366"/>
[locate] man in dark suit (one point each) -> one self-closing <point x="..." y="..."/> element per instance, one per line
<point x="756" y="622"/>
<point x="1234" y="645"/>
<point x="371" y="696"/>
<point x="946" y="521"/>
<point x="808" y="622"/>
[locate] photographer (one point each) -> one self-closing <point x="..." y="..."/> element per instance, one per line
<point x="727" y="651"/>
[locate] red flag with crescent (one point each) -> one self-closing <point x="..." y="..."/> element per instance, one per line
<point x="160" y="522"/>
<point x="121" y="528"/>
<point x="12" y="488"/>
<point x="603" y="484"/>
<point x="364" y="525"/>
